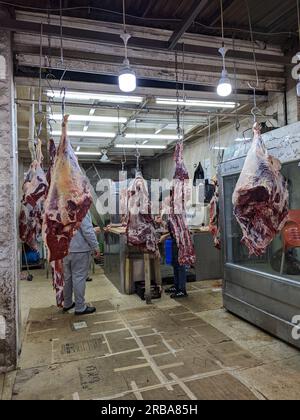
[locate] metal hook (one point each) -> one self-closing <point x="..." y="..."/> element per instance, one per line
<point x="50" y="121"/>
<point x="138" y="155"/>
<point x="63" y="102"/>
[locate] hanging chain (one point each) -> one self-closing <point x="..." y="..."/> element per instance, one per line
<point x="49" y="57"/>
<point x="237" y="122"/>
<point x="298" y="16"/>
<point x="179" y="131"/>
<point x="253" y="44"/>
<point x="63" y="102"/>
<point x="40" y="73"/>
<point x="61" y="35"/>
<point x="183" y="71"/>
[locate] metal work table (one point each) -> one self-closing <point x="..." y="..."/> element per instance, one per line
<point x="124" y="265"/>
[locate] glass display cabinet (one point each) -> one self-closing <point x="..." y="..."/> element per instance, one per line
<point x="263" y="290"/>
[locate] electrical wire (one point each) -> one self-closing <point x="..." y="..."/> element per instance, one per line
<point x="222" y="22"/>
<point x="124" y="16"/>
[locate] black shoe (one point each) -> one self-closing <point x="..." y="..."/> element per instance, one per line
<point x="68" y="309"/>
<point x="89" y="279"/>
<point x="171" y="290"/>
<point x="89" y="310"/>
<point x="179" y="295"/>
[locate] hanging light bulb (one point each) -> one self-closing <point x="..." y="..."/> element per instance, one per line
<point x="127" y="76"/>
<point x="224" y="87"/>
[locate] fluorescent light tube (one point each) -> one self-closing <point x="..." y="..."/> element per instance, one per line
<point x="197" y="103"/>
<point x="92" y="134"/>
<point x="219" y="148"/>
<point x="88" y="153"/>
<point x="143" y="136"/>
<point x="89" y="118"/>
<point x="78" y="149"/>
<point x="243" y="139"/>
<point x="86" y="96"/>
<point x="139" y="146"/>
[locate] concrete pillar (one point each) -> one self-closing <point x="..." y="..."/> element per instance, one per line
<point x="8" y="210"/>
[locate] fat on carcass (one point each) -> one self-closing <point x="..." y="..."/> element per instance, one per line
<point x="261" y="197"/>
<point x="177" y="215"/>
<point x="34" y="192"/>
<point x="68" y="201"/>
<point x="140" y="228"/>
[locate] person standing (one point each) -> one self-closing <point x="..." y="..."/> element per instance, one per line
<point x="178" y="290"/>
<point x="76" y="267"/>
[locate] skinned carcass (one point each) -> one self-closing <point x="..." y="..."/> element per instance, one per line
<point x="140" y="228"/>
<point x="260" y="198"/>
<point x="57" y="269"/>
<point x="68" y="200"/>
<point x="34" y="193"/>
<point x="214" y="217"/>
<point x="177" y="215"/>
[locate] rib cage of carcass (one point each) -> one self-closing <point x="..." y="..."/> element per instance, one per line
<point x="260" y="198"/>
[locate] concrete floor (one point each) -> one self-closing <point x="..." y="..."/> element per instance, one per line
<point x="189" y="349"/>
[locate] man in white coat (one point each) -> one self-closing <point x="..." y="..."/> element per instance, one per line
<point x="76" y="267"/>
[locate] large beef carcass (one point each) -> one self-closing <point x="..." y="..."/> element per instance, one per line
<point x="68" y="200"/>
<point x="34" y="192"/>
<point x="260" y="198"/>
<point x="140" y="229"/>
<point x="57" y="269"/>
<point x="214" y="219"/>
<point x="177" y="215"/>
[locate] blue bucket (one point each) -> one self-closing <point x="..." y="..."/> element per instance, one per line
<point x="168" y="251"/>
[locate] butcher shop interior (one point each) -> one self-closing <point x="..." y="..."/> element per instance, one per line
<point x="150" y="201"/>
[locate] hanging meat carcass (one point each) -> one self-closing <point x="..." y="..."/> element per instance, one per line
<point x="214" y="220"/>
<point x="140" y="229"/>
<point x="57" y="269"/>
<point x="177" y="215"/>
<point x="68" y="200"/>
<point x="260" y="198"/>
<point x="34" y="192"/>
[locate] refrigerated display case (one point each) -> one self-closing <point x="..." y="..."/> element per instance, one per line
<point x="261" y="289"/>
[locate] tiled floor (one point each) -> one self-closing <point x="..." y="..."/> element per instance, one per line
<point x="185" y="350"/>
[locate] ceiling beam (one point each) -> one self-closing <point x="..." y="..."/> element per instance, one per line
<point x="197" y="8"/>
<point x="135" y="42"/>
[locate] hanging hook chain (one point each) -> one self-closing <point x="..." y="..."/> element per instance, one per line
<point x="137" y="155"/>
<point x="63" y="101"/>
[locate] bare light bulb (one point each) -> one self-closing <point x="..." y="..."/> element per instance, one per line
<point x="224" y="87"/>
<point x="127" y="78"/>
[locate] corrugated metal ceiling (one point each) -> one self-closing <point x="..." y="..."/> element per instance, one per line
<point x="267" y="17"/>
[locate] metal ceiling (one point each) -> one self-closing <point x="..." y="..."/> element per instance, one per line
<point x="93" y="54"/>
<point x="272" y="20"/>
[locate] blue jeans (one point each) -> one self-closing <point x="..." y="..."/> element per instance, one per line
<point x="180" y="275"/>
